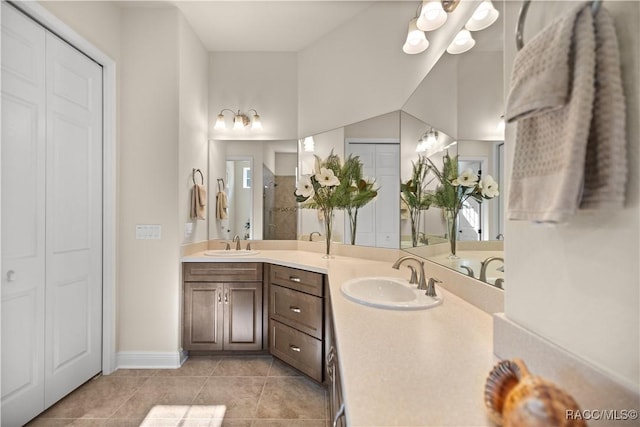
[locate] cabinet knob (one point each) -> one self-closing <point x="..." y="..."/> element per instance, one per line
<point x="294" y="279"/>
<point x="11" y="276"/>
<point x="295" y="309"/>
<point x="294" y="348"/>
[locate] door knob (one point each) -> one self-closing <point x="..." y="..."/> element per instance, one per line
<point x="11" y="276"/>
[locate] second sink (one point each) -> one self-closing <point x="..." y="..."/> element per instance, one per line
<point x="388" y="292"/>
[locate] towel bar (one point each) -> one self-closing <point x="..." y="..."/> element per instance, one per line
<point x="595" y="5"/>
<point x="193" y="176"/>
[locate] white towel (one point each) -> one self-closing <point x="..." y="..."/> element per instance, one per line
<point x="553" y="89"/>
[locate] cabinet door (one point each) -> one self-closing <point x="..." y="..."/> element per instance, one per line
<point x="202" y="316"/>
<point x="243" y="316"/>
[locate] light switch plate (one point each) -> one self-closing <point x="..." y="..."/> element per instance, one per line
<point x="148" y="231"/>
<point x="188" y="229"/>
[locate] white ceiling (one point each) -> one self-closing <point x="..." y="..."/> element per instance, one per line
<point x="266" y="26"/>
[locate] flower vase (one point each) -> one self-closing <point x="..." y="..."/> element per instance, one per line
<point x="451" y="215"/>
<point x="328" y="228"/>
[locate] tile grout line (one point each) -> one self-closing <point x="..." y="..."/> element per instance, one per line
<point x="255" y="415"/>
<point x="133" y="393"/>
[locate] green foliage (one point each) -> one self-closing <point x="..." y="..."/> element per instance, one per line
<point x="414" y="192"/>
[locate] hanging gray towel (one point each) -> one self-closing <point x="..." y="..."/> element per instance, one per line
<point x="566" y="95"/>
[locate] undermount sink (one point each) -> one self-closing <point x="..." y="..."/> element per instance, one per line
<point x="231" y="253"/>
<point x="388" y="292"/>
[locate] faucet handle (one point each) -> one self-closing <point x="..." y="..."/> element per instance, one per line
<point x="228" y="247"/>
<point x="248" y="246"/>
<point x="431" y="288"/>
<point x="414" y="275"/>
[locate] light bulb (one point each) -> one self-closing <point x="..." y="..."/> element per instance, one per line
<point x="484" y="16"/>
<point x="432" y="16"/>
<point x="220" y="122"/>
<point x="416" y="40"/>
<point x="461" y="43"/>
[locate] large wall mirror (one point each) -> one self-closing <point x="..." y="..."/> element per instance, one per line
<point x="259" y="183"/>
<point x="457" y="107"/>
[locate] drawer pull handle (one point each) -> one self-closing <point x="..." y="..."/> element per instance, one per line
<point x="294" y="279"/>
<point x="226" y="298"/>
<point x="219" y="297"/>
<point x="294" y="348"/>
<point x="295" y="309"/>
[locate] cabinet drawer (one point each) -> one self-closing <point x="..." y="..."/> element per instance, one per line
<point x="300" y="280"/>
<point x="222" y="271"/>
<point x="299" y="350"/>
<point x="296" y="309"/>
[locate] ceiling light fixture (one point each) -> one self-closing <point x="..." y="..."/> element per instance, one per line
<point x="416" y="40"/>
<point x="485" y="15"/>
<point x="461" y="43"/>
<point x="240" y="120"/>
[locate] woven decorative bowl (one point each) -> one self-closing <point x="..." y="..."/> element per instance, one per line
<point x="515" y="398"/>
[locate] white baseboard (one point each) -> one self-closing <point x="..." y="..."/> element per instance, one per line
<point x="150" y="360"/>
<point x="592" y="388"/>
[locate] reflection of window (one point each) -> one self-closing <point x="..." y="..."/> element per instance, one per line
<point x="246" y="177"/>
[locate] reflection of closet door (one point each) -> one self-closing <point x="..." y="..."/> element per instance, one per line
<point x="23" y="216"/>
<point x="379" y="221"/>
<point x="74" y="219"/>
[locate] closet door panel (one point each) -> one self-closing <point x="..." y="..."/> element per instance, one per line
<point x="23" y="216"/>
<point x="74" y="220"/>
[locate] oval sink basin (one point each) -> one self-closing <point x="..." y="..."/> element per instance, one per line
<point x="388" y="292"/>
<point x="231" y="253"/>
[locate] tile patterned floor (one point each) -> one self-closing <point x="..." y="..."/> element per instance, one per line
<point x="234" y="391"/>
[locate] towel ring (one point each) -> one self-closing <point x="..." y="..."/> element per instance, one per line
<point x="193" y="176"/>
<point x="220" y="180"/>
<point x="595" y="5"/>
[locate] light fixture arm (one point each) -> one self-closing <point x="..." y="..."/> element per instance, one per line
<point x="450" y="5"/>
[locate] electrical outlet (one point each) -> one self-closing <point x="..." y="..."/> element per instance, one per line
<point x="148" y="231"/>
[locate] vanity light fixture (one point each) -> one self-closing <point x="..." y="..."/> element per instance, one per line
<point x="428" y="141"/>
<point x="485" y="15"/>
<point x="461" y="43"/>
<point x="240" y="120"/>
<point x="431" y="15"/>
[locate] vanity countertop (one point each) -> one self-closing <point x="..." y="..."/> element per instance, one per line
<point x="399" y="368"/>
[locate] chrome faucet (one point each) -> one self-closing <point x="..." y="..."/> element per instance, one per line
<point x="422" y="283"/>
<point x="312" y="233"/>
<point x="236" y="240"/>
<point x="469" y="270"/>
<point x="485" y="263"/>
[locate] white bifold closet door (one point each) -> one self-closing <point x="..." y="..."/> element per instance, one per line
<point x="379" y="221"/>
<point x="51" y="218"/>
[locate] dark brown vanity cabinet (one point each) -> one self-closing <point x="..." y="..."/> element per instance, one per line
<point x="296" y="319"/>
<point x="223" y="306"/>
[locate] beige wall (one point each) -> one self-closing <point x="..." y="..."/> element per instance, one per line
<point x="264" y="81"/>
<point x="194" y="125"/>
<point x="577" y="284"/>
<point x="148" y="283"/>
